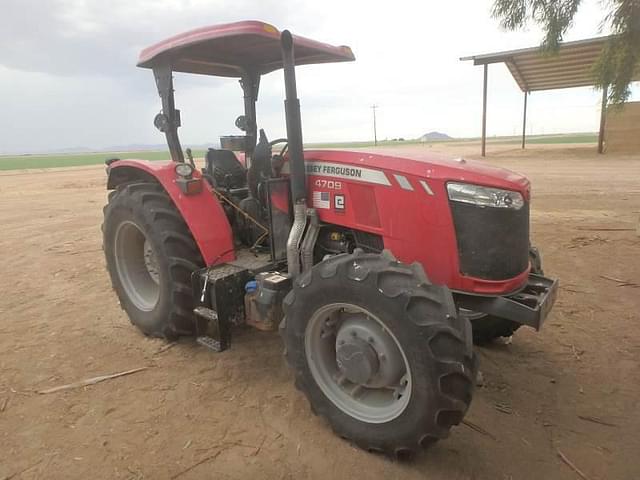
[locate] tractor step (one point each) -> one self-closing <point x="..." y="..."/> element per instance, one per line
<point x="218" y="344"/>
<point x="206" y="313"/>
<point x="211" y="343"/>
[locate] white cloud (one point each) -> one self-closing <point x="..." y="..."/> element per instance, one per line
<point x="69" y="79"/>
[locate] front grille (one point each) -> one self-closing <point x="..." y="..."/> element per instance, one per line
<point x="493" y="243"/>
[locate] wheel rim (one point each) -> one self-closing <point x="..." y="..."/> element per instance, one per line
<point x="358" y="363"/>
<point x="137" y="266"/>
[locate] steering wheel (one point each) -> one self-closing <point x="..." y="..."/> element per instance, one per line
<point x="280" y="140"/>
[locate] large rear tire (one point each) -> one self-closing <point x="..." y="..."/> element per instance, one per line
<point x="379" y="352"/>
<point x="150" y="255"/>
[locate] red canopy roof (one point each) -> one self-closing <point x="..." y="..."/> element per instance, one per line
<point x="230" y="49"/>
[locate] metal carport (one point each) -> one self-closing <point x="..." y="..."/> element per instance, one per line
<point x="534" y="70"/>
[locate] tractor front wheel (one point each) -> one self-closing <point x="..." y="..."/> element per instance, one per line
<point x="150" y="256"/>
<point x="379" y="352"/>
<point x="487" y="328"/>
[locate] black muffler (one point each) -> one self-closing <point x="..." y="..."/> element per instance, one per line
<point x="294" y="124"/>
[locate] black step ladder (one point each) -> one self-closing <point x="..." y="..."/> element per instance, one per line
<point x="219" y="342"/>
<point x="219" y="292"/>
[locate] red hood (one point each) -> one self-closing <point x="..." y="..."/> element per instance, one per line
<point x="427" y="165"/>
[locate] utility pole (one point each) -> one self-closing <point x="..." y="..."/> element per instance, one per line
<point x="375" y="132"/>
<point x="603" y="119"/>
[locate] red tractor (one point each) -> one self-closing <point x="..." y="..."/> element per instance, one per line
<point x="379" y="271"/>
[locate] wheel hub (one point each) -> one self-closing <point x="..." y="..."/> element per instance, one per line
<point x="365" y="354"/>
<point x="151" y="262"/>
<point x="357" y="360"/>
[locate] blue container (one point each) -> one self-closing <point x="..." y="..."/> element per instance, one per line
<point x="251" y="286"/>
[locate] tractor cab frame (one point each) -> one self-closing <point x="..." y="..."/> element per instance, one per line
<point x="244" y="50"/>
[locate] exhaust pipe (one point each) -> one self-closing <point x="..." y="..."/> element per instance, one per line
<point x="296" y="156"/>
<point x="294" y="125"/>
<point x="310" y="239"/>
<point x="295" y="238"/>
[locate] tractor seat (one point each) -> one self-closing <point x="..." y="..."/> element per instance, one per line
<point x="225" y="168"/>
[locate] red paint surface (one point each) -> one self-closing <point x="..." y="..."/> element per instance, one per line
<point x="414" y="225"/>
<point x="225" y="50"/>
<point x="202" y="212"/>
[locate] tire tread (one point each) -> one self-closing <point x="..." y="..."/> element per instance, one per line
<point x="153" y="203"/>
<point x="409" y="282"/>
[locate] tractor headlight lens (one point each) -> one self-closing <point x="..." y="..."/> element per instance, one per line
<point x="184" y="170"/>
<point x="484" y="196"/>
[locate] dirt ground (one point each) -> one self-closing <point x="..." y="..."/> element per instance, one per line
<point x="573" y="388"/>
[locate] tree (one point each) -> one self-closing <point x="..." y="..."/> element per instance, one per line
<point x="620" y="57"/>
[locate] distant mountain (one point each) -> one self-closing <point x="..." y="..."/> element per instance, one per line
<point x="431" y="136"/>
<point x="72" y="150"/>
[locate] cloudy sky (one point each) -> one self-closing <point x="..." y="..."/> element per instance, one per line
<point x="68" y="75"/>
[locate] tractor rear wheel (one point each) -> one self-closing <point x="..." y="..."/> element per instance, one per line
<point x="487" y="328"/>
<point x="150" y="256"/>
<point x="379" y="352"/>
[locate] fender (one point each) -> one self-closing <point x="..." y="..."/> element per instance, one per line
<point x="202" y="212"/>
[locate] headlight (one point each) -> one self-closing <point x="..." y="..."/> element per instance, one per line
<point x="184" y="170"/>
<point x="484" y="196"/>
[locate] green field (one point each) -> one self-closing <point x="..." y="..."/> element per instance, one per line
<point x="16" y="162"/>
<point x="549" y="139"/>
<point x="533" y="139"/>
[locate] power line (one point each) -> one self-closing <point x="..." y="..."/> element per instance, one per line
<point x="375" y="132"/>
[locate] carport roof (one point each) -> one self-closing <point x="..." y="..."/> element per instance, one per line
<point x="534" y="70"/>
